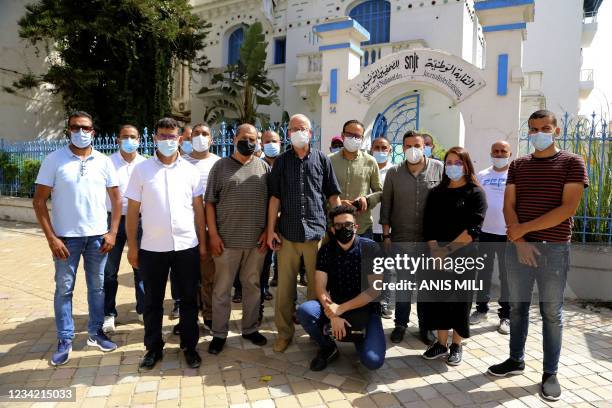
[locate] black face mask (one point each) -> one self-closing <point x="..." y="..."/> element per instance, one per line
<point x="344" y="235"/>
<point x="245" y="147"/>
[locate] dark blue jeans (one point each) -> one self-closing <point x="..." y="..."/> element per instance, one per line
<point x="493" y="245"/>
<point x="551" y="277"/>
<point x="371" y="351"/>
<point x="65" y="278"/>
<point x="112" y="270"/>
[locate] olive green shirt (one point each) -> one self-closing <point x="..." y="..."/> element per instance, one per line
<point x="358" y="178"/>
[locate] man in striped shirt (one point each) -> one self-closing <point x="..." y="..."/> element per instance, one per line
<point x="543" y="191"/>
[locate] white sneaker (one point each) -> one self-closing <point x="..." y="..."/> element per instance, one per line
<point x="140" y="318"/>
<point x="477" y="317"/>
<point x="109" y="324"/>
<point x="504" y="326"/>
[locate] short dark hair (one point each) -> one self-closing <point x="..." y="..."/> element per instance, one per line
<point x="381" y="138"/>
<point x="201" y="124"/>
<point x="126" y="126"/>
<point x="166" y="123"/>
<point x="411" y="133"/>
<point x="352" y="122"/>
<point x="541" y="114"/>
<point x="342" y="209"/>
<point x="79" y="114"/>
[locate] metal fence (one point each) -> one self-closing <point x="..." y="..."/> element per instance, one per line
<point x="19" y="161"/>
<point x="588" y="136"/>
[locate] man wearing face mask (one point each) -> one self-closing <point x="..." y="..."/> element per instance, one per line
<point x="124" y="161"/>
<point x="301" y="181"/>
<point x="542" y="194"/>
<point x="345" y="295"/>
<point x="203" y="159"/>
<point x="429" y="146"/>
<point x="186" y="146"/>
<point x="405" y="193"/>
<point x="167" y="190"/>
<point x="337" y="144"/>
<point x="358" y="176"/>
<point x="78" y="179"/>
<point x="493" y="233"/>
<point x="236" y="202"/>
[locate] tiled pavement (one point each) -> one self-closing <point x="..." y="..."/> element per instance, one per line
<point x="245" y="375"/>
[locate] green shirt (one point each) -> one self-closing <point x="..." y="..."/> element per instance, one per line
<point x="358" y="178"/>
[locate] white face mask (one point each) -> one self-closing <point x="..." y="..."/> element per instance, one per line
<point x="300" y="138"/>
<point x="200" y="143"/>
<point x="542" y="141"/>
<point x="352" y="144"/>
<point x="414" y="155"/>
<point x="500" y="162"/>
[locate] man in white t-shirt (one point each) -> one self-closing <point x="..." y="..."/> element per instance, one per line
<point x="493" y="236"/>
<point x="203" y="159"/>
<point x="124" y="160"/>
<point x="381" y="150"/>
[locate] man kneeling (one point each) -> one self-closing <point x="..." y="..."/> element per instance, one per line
<point x="342" y="301"/>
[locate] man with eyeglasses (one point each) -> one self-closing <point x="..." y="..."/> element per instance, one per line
<point x="78" y="179"/>
<point x="358" y="176"/>
<point x="167" y="190"/>
<point x="124" y="160"/>
<point x="301" y="181"/>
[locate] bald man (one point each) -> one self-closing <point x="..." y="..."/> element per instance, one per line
<point x="236" y="202"/>
<point x="493" y="236"/>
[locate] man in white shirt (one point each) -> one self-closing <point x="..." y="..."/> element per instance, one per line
<point x="167" y="191"/>
<point x="123" y="161"/>
<point x="203" y="159"/>
<point x="78" y="178"/>
<point x="493" y="236"/>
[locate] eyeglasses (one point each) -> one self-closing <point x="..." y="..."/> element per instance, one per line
<point x="353" y="135"/>
<point x="456" y="163"/>
<point x="167" y="136"/>
<point x="347" y="225"/>
<point x="299" y="129"/>
<point x="76" y="128"/>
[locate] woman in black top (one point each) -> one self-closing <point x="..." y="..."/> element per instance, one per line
<point x="454" y="213"/>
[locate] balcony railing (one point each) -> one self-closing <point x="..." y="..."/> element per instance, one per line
<point x="309" y="67"/>
<point x="533" y="83"/>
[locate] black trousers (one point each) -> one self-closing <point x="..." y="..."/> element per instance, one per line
<point x="154" y="268"/>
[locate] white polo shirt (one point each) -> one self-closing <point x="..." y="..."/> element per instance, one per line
<point x="376" y="227"/>
<point x="204" y="166"/>
<point x="166" y="193"/>
<point x="494" y="185"/>
<point x="79" y="191"/>
<point x="124" y="171"/>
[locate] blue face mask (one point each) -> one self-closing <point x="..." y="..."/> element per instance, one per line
<point x="129" y="145"/>
<point x="167" y="147"/>
<point x="81" y="139"/>
<point x="187" y="147"/>
<point x="542" y="141"/>
<point x="453" y="171"/>
<point x="381" y="157"/>
<point x="271" y="149"/>
<point x="427" y="151"/>
<point x="335" y="149"/>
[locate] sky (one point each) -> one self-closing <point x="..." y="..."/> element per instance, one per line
<point x="599" y="57"/>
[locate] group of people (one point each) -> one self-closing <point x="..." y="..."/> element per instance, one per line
<point x="207" y="221"/>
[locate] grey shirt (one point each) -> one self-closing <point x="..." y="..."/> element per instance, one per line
<point x="404" y="198"/>
<point x="240" y="194"/>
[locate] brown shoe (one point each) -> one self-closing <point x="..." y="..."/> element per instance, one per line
<point x="280" y="345"/>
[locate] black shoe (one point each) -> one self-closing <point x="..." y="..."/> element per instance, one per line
<point x="324" y="357"/>
<point x="550" y="387"/>
<point x="424" y="336"/>
<point x="176" y="330"/>
<point x="216" y="345"/>
<point x="256" y="338"/>
<point x="434" y="351"/>
<point x="273" y="283"/>
<point x="397" y="335"/>
<point x="150" y="359"/>
<point x="507" y="367"/>
<point x="176" y="311"/>
<point x="237" y="298"/>
<point x="303" y="281"/>
<point x="208" y="324"/>
<point x="385" y="311"/>
<point x="192" y="358"/>
<point x="455" y="353"/>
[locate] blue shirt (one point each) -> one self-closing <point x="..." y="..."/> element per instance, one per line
<point x="79" y="193"/>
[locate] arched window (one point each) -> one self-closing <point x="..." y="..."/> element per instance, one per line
<point x="374" y="16"/>
<point x="234" y="43"/>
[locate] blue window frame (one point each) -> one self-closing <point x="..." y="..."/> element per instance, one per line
<point x="280" y="45"/>
<point x="234" y="43"/>
<point x="374" y="16"/>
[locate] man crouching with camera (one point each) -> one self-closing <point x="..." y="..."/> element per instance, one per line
<point x="347" y="308"/>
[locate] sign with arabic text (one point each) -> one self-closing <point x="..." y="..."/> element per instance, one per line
<point x="447" y="73"/>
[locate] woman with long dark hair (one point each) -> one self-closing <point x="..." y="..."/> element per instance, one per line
<point x="453" y="216"/>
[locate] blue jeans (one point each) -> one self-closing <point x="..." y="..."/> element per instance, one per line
<point x="112" y="270"/>
<point x="371" y="351"/>
<point x="551" y="277"/>
<point x="65" y="278"/>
